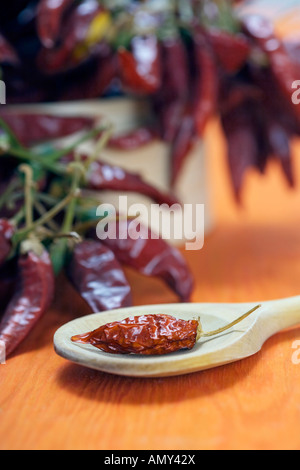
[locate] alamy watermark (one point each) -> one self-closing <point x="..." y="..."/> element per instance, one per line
<point x="296" y="353"/>
<point x="2" y="92"/>
<point x="177" y="222"/>
<point x="2" y="352"/>
<point x="296" y="94"/>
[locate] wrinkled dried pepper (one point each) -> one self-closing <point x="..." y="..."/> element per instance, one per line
<point x="103" y="176"/>
<point x="150" y="335"/>
<point x="98" y="277"/>
<point x="152" y="257"/>
<point x="33" y="295"/>
<point x="49" y="20"/>
<point x="133" y="140"/>
<point x="34" y="128"/>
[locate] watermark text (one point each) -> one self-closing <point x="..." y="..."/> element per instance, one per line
<point x="138" y="221"/>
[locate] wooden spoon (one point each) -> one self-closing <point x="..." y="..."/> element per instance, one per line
<point x="242" y="340"/>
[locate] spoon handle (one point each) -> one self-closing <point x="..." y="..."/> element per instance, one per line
<point x="280" y="314"/>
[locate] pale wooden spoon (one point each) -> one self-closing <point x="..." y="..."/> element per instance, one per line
<point x="243" y="340"/>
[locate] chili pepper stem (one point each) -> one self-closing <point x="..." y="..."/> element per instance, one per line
<point x="27" y="170"/>
<point x="201" y="334"/>
<point x="100" y="145"/>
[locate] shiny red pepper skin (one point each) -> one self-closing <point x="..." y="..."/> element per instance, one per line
<point x="143" y="335"/>
<point x="49" y="20"/>
<point x="182" y="144"/>
<point x="140" y="68"/>
<point x="98" y="277"/>
<point x="6" y="232"/>
<point x="280" y="148"/>
<point x="232" y="50"/>
<point x="171" y="99"/>
<point x="284" y="70"/>
<point x="207" y="82"/>
<point x="33" y="296"/>
<point x="96" y="84"/>
<point x="31" y="129"/>
<point x="154" y="258"/>
<point x="102" y="176"/>
<point x="134" y="139"/>
<point x="242" y="145"/>
<point x="63" y="58"/>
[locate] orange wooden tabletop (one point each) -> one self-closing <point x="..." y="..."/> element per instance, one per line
<point x="253" y="254"/>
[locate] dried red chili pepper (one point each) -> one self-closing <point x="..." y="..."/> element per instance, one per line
<point x="280" y="148"/>
<point x="207" y="82"/>
<point x="175" y="68"/>
<point x="103" y="176"/>
<point x="7" y="230"/>
<point x="32" y="297"/>
<point x="97" y="82"/>
<point x="31" y="128"/>
<point x="98" y="277"/>
<point x="242" y="145"/>
<point x="152" y="257"/>
<point x="140" y="68"/>
<point x="182" y="144"/>
<point x="133" y="140"/>
<point x="49" y="20"/>
<point x="232" y="50"/>
<point x="261" y="30"/>
<point x="146" y="334"/>
<point x="170" y="100"/>
<point x="66" y="56"/>
<point x="150" y="334"/>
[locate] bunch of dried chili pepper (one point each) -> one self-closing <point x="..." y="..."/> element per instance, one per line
<point x="181" y="59"/>
<point x="49" y="228"/>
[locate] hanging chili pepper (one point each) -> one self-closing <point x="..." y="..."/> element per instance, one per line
<point x="7" y="230"/>
<point x="261" y="31"/>
<point x="175" y="68"/>
<point x="74" y="47"/>
<point x="105" y="177"/>
<point x="34" y="128"/>
<point x="32" y="297"/>
<point x="232" y="50"/>
<point x="133" y="140"/>
<point x="140" y="68"/>
<point x="150" y="335"/>
<point x="207" y="82"/>
<point x="98" y="80"/>
<point x="7" y="52"/>
<point x="182" y="144"/>
<point x="280" y="148"/>
<point x="98" y="277"/>
<point x="170" y="101"/>
<point x="49" y="21"/>
<point x="242" y="145"/>
<point x="152" y="257"/>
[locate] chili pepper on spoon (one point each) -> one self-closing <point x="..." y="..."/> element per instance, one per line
<point x="150" y="335"/>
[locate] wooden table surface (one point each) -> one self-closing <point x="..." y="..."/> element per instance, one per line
<point x="252" y="255"/>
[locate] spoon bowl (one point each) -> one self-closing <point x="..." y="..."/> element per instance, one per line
<point x="243" y="340"/>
